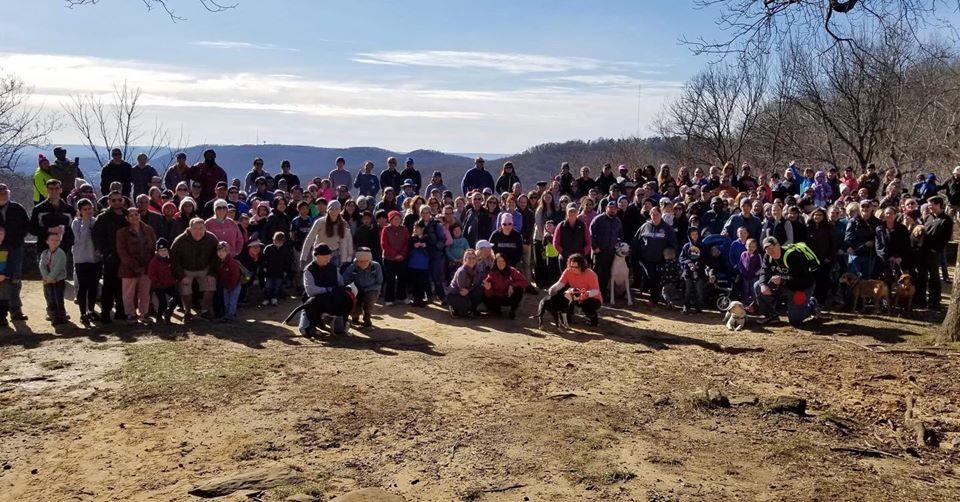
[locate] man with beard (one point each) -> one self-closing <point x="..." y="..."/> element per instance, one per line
<point x="104" y="235"/>
<point x="208" y="173"/>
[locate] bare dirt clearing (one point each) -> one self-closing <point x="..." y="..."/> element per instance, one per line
<point x="652" y="405"/>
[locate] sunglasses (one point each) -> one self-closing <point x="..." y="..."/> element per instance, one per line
<point x="506" y="224"/>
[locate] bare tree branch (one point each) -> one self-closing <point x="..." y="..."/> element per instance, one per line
<point x="21" y="125"/>
<point x="163" y="5"/>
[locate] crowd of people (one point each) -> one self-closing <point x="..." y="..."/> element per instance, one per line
<point x="146" y="242"/>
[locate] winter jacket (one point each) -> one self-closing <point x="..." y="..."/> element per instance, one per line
<point x="250" y="182"/>
<point x="45" y="216"/>
<point x="892" y="242"/>
<point x="368" y="280"/>
<point x="476" y="179"/>
<point x="140" y="178"/>
<point x="391" y="178"/>
<point x="276" y="260"/>
<point x="367" y="184"/>
<point x="651" y="240"/>
<point x="419" y="257"/>
<point x="208" y="176"/>
<point x="937" y="232"/>
<point x="187" y="253"/>
<point x="749" y="266"/>
<point x="752" y="224"/>
<point x="135" y="250"/>
<point x="83" y="248"/>
<point x="455" y="250"/>
<point x="465" y="278"/>
<point x="228" y="273"/>
<point x="500" y="283"/>
<point x="105" y="235"/>
<point x="173" y="176"/>
<point x="318" y="234"/>
<point x="14" y="218"/>
<point x="53" y="266"/>
<point x="859" y="233"/>
<point x="395" y="242"/>
<point x="605" y="232"/>
<point x="412" y="174"/>
<point x="116" y="172"/>
<point x="569" y="240"/>
<point x="228" y="231"/>
<point x="505" y="182"/>
<point x="339" y="177"/>
<point x="160" y="273"/>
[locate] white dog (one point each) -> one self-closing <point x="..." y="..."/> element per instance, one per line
<point x="736" y="316"/>
<point x="620" y="274"/>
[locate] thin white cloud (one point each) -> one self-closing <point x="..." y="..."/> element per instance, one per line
<point x="507" y="62"/>
<point x="224" y="44"/>
<point x="223" y="106"/>
<point x="612" y="80"/>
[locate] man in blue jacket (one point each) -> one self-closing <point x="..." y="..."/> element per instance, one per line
<point x="476" y="178"/>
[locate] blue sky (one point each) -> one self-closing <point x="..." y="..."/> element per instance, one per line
<point x="458" y="76"/>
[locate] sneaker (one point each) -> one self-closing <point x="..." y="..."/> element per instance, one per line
<point x="274" y="302"/>
<point x="265" y="303"/>
<point x="408" y="301"/>
<point x="387" y="304"/>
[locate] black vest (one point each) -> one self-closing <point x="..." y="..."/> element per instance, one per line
<point x="324" y="277"/>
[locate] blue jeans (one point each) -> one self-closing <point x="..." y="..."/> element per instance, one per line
<point x="230" y="298"/>
<point x="14" y="275"/>
<point x="796" y="314"/>
<point x="862" y="266"/>
<point x="273" y="288"/>
<point x="53" y="294"/>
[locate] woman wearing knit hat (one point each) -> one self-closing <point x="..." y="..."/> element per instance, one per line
<point x="333" y="231"/>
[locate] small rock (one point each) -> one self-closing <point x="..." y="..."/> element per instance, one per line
<point x="7" y="467"/>
<point x="711" y="398"/>
<point x="786" y="404"/>
<point x="662" y="401"/>
<point x="368" y="495"/>
<point x="302" y="497"/>
<point x="34" y="471"/>
<point x="252" y="480"/>
<point x="744" y="400"/>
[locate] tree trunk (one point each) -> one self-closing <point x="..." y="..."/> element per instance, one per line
<point x="950" y="329"/>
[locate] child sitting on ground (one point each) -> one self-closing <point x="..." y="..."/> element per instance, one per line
<point x="53" y="270"/>
<point x="367" y="276"/>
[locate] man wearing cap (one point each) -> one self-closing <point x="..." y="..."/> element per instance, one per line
<point x="16" y="222"/>
<point x="256" y="172"/>
<point x="208" y="173"/>
<point x="220" y="193"/>
<point x="117" y="170"/>
<point x="788" y="274"/>
<point x="367" y="183"/>
<point x="63" y="169"/>
<point x="339" y="175"/>
<point x="390" y="177"/>
<point x="176" y="173"/>
<point x="320" y="282"/>
<point x="411" y="173"/>
<point x="224" y="228"/>
<point x="141" y="175"/>
<point x="286" y="175"/>
<point x="193" y="257"/>
<point x="477" y="178"/>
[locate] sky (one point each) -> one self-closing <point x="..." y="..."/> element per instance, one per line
<point x="457" y="76"/>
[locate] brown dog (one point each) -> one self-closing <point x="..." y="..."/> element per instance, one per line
<point x="903" y="295"/>
<point x="866" y="289"/>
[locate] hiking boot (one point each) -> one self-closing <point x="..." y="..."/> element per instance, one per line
<point x="366" y="322"/>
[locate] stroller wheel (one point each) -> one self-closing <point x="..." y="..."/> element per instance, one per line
<point x="723" y="302"/>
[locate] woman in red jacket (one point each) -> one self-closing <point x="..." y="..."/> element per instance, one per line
<point x="394" y="240"/>
<point x="503" y="287"/>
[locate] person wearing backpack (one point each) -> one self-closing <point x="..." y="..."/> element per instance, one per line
<point x="788" y="274"/>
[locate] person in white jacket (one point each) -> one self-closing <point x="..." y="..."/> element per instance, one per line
<point x="333" y="231"/>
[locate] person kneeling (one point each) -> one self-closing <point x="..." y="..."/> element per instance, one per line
<point x="465" y="292"/>
<point x="367" y="276"/>
<point x="579" y="286"/>
<point x="324" y="287"/>
<point x="503" y="287"/>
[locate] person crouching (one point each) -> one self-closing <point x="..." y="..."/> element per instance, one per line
<point x="320" y="279"/>
<point x="367" y="276"/>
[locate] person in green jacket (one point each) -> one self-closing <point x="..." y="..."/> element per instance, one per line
<point x="40" y="178"/>
<point x="53" y="270"/>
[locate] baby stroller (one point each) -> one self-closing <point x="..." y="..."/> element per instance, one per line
<point x="721" y="281"/>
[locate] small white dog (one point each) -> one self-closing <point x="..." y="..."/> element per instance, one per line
<point x="620" y="273"/>
<point x="736" y="316"/>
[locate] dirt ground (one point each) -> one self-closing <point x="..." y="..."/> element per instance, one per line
<point x="435" y="409"/>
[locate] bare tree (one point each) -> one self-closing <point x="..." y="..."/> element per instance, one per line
<point x="717" y="111"/>
<point x="163" y="5"/>
<point x="753" y="27"/>
<point x="21" y="125"/>
<point x="117" y="124"/>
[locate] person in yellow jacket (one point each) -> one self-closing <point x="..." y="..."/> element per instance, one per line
<point x="40" y="178"/>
